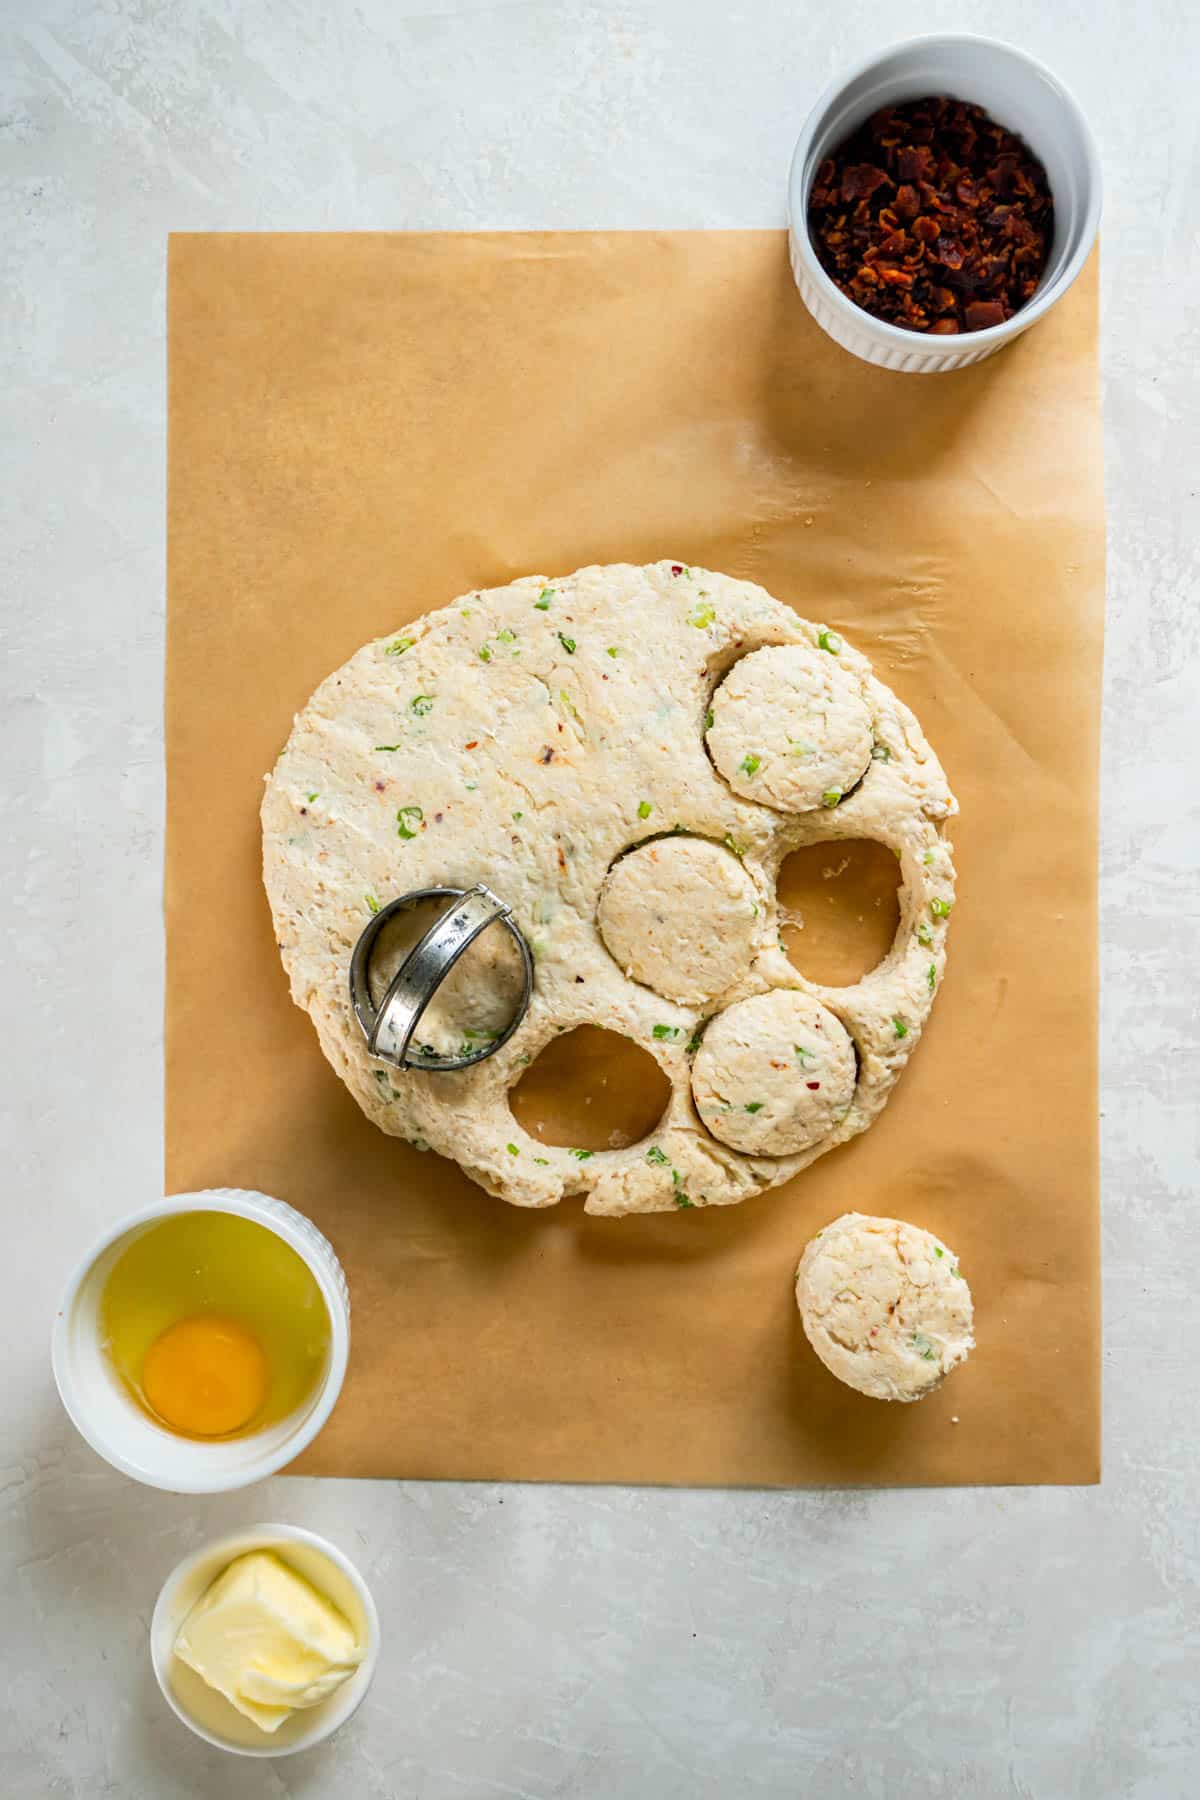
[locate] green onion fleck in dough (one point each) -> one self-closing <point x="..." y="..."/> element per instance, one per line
<point x="422" y="704"/>
<point x="731" y="843"/>
<point x="681" y="1199"/>
<point x="831" y="796"/>
<point x="655" y="1155"/>
<point x="667" y="1032"/>
<point x="940" y="908"/>
<point x="708" y="719"/>
<point x="881" y="753"/>
<point x="901" y="1029"/>
<point x="753" y="1106"/>
<point x="938" y="1251"/>
<point x="372" y="903"/>
<point x="512" y="1149"/>
<point x="543" y="1162"/>
<point x="931" y="978"/>
<point x="485" y="654"/>
<point x="751" y="763"/>
<point x="613" y="651"/>
<point x="387" y="746"/>
<point x="582" y="1155"/>
<point x="923" y="1346"/>
<point x="403" y="828"/>
<point x="644" y="809"/>
<point x="544" y="598"/>
<point x="702" y="614"/>
<point x="829" y="640"/>
<point x="399" y="645"/>
<point x="517" y="816"/>
<point x="567" y="643"/>
<point x="506" y="636"/>
<point x="924" y="935"/>
<point x="927" y="858"/>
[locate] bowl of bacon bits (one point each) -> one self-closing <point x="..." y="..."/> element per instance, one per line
<point x="942" y="197"/>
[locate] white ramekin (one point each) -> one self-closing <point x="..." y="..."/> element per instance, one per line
<point x="114" y="1424"/>
<point x="208" y="1713"/>
<point x="1018" y="93"/>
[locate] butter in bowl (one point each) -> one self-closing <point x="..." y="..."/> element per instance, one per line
<point x="266" y="1641"/>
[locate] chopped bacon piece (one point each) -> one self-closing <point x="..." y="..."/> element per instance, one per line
<point x="906" y="203"/>
<point x="915" y="162"/>
<point x="860" y="181"/>
<point x="982" y="313"/>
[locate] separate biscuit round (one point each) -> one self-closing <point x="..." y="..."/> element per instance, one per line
<point x="884" y="1306"/>
<point x="774" y="1074"/>
<point x="791" y="728"/>
<point x="679" y="915"/>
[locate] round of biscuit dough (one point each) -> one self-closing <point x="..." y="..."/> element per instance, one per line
<point x="679" y="914"/>
<point x="790" y="727"/>
<point x="774" y="1074"/>
<point x="884" y="1305"/>
<point x="594" y="687"/>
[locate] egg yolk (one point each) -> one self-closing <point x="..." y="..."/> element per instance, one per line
<point x="205" y="1376"/>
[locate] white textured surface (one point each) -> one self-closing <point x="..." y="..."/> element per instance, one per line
<point x="608" y="1645"/>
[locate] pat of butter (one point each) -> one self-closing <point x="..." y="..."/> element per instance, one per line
<point x="266" y="1639"/>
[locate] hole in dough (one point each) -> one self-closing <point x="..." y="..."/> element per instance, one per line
<point x="477" y="999"/>
<point x="839" y="909"/>
<point x="591" y="1089"/>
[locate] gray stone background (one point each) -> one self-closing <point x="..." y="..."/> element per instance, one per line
<point x="554" y="1642"/>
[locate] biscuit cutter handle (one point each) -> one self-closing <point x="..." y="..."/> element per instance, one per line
<point x="389" y="1030"/>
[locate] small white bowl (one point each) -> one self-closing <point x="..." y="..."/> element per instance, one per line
<point x="1020" y="94"/>
<point x="208" y="1713"/>
<point x="107" y="1415"/>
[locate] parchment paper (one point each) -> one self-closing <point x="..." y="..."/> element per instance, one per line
<point x="361" y="428"/>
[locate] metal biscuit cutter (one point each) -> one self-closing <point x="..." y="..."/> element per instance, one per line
<point x="389" y="1028"/>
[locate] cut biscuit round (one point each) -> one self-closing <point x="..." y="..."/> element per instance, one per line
<point x="774" y="1074"/>
<point x="679" y="914"/>
<point x="790" y="728"/>
<point x="884" y="1305"/>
